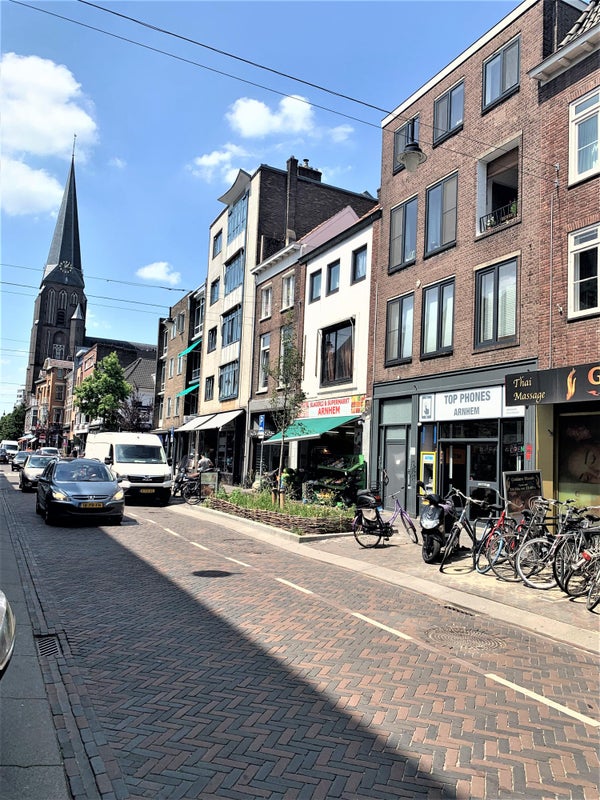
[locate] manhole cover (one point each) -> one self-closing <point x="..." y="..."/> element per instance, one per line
<point x="464" y="639"/>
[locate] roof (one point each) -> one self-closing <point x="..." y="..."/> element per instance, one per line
<point x="588" y="20"/>
<point x="140" y="373"/>
<point x="64" y="257"/>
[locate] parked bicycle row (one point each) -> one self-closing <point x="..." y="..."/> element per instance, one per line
<point x="552" y="543"/>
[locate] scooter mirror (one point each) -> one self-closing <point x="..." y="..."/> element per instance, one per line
<point x="420" y="485"/>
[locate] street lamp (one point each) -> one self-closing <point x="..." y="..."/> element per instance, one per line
<point x="411" y="157"/>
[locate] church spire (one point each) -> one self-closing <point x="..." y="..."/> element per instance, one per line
<point x="65" y="251"/>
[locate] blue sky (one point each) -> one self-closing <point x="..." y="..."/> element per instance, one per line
<point x="159" y="139"/>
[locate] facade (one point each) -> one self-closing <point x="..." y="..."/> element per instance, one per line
<point x="48" y="404"/>
<point x="263" y="213"/>
<point x="458" y="284"/>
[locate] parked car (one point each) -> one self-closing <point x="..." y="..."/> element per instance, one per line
<point x="3" y="456"/>
<point x="19" y="459"/>
<point x="48" y="451"/>
<point x="82" y="488"/>
<point x="31" y="471"/>
<point x="7" y="633"/>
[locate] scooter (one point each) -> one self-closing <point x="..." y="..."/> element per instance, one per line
<point x="180" y="479"/>
<point x="431" y="520"/>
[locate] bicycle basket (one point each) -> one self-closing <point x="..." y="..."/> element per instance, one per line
<point x="367" y="499"/>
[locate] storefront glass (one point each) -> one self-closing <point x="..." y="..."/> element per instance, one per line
<point x="578" y="458"/>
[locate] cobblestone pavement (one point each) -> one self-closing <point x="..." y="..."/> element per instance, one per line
<point x="204" y="660"/>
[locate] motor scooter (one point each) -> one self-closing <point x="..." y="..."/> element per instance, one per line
<point x="432" y="518"/>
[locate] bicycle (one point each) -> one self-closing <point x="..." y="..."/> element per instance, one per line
<point x="369" y="527"/>
<point x="463" y="524"/>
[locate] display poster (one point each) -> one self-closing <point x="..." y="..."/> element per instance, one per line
<point x="520" y="488"/>
<point x="578" y="463"/>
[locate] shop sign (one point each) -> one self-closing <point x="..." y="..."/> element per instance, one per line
<point x="472" y="403"/>
<point x="563" y="385"/>
<point x="334" y="406"/>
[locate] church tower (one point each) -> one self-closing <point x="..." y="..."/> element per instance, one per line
<point x="58" y="329"/>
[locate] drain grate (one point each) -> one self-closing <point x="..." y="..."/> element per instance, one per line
<point x="459" y="611"/>
<point x="464" y="639"/>
<point x="48" y="645"/>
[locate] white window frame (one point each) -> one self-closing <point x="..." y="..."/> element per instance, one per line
<point x="288" y="284"/>
<point x="171" y="367"/>
<point x="266" y="302"/>
<point x="581" y="241"/>
<point x="263" y="363"/>
<point x="583" y="111"/>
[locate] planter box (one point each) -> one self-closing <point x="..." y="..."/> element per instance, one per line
<point x="289" y="522"/>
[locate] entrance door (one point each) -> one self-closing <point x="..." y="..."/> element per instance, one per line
<point x="482" y="471"/>
<point x="395" y="466"/>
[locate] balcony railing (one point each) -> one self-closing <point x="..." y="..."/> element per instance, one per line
<point x="498" y="217"/>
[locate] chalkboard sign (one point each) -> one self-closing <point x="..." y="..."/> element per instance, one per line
<point x="520" y="487"/>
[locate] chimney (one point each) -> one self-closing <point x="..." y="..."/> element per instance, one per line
<point x="306" y="171"/>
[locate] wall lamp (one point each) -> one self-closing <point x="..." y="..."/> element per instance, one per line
<point x="411" y="157"/>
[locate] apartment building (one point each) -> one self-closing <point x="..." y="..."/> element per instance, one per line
<point x="263" y="213"/>
<point x="458" y="286"/>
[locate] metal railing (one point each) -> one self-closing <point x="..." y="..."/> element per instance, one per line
<point x="499" y="216"/>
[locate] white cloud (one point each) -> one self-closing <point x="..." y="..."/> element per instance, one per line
<point x="159" y="271"/>
<point x="42" y="108"/>
<point x="254" y="119"/>
<point x="219" y="163"/>
<point x="117" y="163"/>
<point x="341" y="133"/>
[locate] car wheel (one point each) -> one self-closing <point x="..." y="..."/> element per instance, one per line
<point x="49" y="517"/>
<point x="116" y="520"/>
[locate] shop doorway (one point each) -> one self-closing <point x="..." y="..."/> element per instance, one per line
<point x="470" y="467"/>
<point x="394" y="465"/>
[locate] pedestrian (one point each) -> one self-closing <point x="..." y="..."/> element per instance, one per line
<point x="205" y="463"/>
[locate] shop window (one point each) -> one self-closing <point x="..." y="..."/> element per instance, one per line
<point x="403" y="234"/>
<point x="496" y="304"/>
<point x="337" y="354"/>
<point x="584" y="276"/>
<point x="578" y="457"/>
<point x="440" y="215"/>
<point x="399" y="329"/>
<point x="501" y="74"/>
<point x="438" y="319"/>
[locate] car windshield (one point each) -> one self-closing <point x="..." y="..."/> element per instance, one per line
<point x="39" y="461"/>
<point x="74" y="472"/>
<point x="140" y="454"/>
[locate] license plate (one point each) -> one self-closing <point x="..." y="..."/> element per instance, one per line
<point x="92" y="505"/>
<point x="146" y="491"/>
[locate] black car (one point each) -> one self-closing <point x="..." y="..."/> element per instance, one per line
<point x="3" y="456"/>
<point x="82" y="488"/>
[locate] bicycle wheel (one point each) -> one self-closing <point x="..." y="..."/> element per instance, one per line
<point x="566" y="556"/>
<point x="450" y="545"/>
<point x="503" y="549"/>
<point x="593" y="597"/>
<point x="534" y="564"/>
<point x="366" y="535"/>
<point x="578" y="580"/>
<point x="191" y="493"/>
<point x="409" y="528"/>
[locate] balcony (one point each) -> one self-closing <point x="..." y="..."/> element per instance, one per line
<point x="499" y="217"/>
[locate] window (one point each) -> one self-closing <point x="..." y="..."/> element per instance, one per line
<point x="286" y="341"/>
<point x="161" y="406"/>
<point x="441" y="214"/>
<point x="584" y="277"/>
<point x="195" y="365"/>
<point x="161" y="382"/>
<point x="584" y="124"/>
<point x="171" y="367"/>
<point x="359" y="264"/>
<point x="288" y="285"/>
<point x="438" y="319"/>
<point x="266" y="297"/>
<point x="406" y="134"/>
<point x="234" y="273"/>
<point x="501" y="74"/>
<point x="231" y="329"/>
<point x="237" y="218"/>
<point x="403" y="234"/>
<point x="57" y="415"/>
<point x="263" y="366"/>
<point x="501" y="178"/>
<point x="315" y="286"/>
<point x="399" y="329"/>
<point x="496" y="304"/>
<point x="165" y="342"/>
<point x="61" y="316"/>
<point x="198" y="316"/>
<point x="179" y="365"/>
<point x="58" y="351"/>
<point x="74" y="299"/>
<point x="209" y="387"/>
<point x="217" y="243"/>
<point x="59" y="392"/>
<point x="211" y="340"/>
<point x="214" y="290"/>
<point x="337" y="354"/>
<point x="51" y="307"/>
<point x="333" y="277"/>
<point x="448" y="113"/>
<point x="169" y="406"/>
<point x="180" y="322"/>
<point x="177" y="399"/>
<point x="173" y="330"/>
<point x="228" y="380"/>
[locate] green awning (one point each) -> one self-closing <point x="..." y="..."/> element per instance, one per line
<point x="188" y="390"/>
<point x="190" y="348"/>
<point x="311" y="428"/>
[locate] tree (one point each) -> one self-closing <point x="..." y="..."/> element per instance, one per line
<point x="286" y="396"/>
<point x="102" y="394"/>
<point x="13" y="424"/>
<point x="133" y="414"/>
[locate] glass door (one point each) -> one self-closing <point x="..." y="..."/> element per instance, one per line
<point x="482" y="471"/>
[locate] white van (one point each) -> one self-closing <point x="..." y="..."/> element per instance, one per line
<point x="11" y="447"/>
<point x="139" y="461"/>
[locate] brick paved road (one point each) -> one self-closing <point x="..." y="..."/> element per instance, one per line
<point x="202" y="663"/>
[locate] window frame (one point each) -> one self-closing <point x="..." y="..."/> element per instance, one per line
<point x="575" y="121"/>
<point x="211" y="340"/>
<point x="287" y="293"/>
<point x="217" y="245"/>
<point x="314" y="277"/>
<point x="448" y="130"/>
<point x="231" y="326"/>
<point x="360" y="251"/>
<point x="401" y="211"/>
<point x="264" y="355"/>
<point x="234" y="273"/>
<point x="324" y="380"/>
<point x="209" y="387"/>
<point x="237" y="214"/>
<point x="215" y="291"/>
<point x="402" y="334"/>
<point x="443" y="245"/>
<point x="441" y="348"/>
<point x="229" y="374"/>
<point x="495" y="340"/>
<point x="574" y="250"/>
<point x="405" y="134"/>
<point x="333" y="270"/>
<point x="505" y="91"/>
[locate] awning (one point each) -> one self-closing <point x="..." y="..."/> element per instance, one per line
<point x="219" y="420"/>
<point x="311" y="428"/>
<point x="27" y="438"/>
<point x="188" y="390"/>
<point x="190" y="348"/>
<point x="194" y="424"/>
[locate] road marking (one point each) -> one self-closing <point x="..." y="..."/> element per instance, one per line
<point x="544" y="700"/>
<point x="201" y="546"/>
<point x="294" y="586"/>
<point x="168" y="530"/>
<point x="235" y="561"/>
<point x="380" y="625"/>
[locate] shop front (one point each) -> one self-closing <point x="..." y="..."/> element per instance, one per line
<point x="566" y="402"/>
<point x="221" y="437"/>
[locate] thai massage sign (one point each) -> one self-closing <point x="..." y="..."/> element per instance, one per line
<point x="567" y="384"/>
<point x="334" y="406"/>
